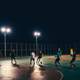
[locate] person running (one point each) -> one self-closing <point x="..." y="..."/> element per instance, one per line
<point x="32" y="59"/>
<point x="57" y="60"/>
<point x="13" y="59"/>
<point x="39" y="59"/>
<point x="73" y="54"/>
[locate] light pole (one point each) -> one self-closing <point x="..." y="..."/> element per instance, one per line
<point x="5" y="31"/>
<point x="37" y="34"/>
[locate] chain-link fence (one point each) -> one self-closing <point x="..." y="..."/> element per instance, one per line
<point x="24" y="49"/>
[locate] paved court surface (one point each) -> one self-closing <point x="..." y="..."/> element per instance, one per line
<point x="23" y="71"/>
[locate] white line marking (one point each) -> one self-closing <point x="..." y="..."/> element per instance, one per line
<point x="61" y="74"/>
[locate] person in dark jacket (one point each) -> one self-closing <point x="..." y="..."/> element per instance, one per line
<point x="39" y="59"/>
<point x="13" y="59"/>
<point x="57" y="60"/>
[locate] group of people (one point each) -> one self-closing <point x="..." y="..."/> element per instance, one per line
<point x="33" y="60"/>
<point x="38" y="59"/>
<point x="72" y="53"/>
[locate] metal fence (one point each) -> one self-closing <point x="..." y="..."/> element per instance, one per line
<point x="24" y="49"/>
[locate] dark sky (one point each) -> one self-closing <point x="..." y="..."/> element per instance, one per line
<point x="58" y="21"/>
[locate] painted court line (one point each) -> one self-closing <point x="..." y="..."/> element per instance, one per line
<point x="61" y="75"/>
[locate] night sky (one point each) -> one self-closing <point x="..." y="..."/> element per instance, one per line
<point x="59" y="22"/>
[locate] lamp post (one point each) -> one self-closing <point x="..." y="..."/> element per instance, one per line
<point x="37" y="34"/>
<point x="5" y="31"/>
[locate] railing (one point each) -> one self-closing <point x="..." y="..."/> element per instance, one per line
<point x="24" y="49"/>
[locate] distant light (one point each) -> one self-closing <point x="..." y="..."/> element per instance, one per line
<point x="5" y="30"/>
<point x="8" y="30"/>
<point x="36" y="33"/>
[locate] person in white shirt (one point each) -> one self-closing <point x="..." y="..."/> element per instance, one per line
<point x="71" y="52"/>
<point x="73" y="55"/>
<point x="32" y="59"/>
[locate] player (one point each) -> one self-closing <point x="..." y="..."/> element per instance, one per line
<point x="73" y="54"/>
<point x="57" y="60"/>
<point x="32" y="59"/>
<point x="39" y="59"/>
<point x="13" y="59"/>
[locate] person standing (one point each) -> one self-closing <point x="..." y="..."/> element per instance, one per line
<point x="32" y="59"/>
<point x="73" y="55"/>
<point x="39" y="59"/>
<point x="57" y="60"/>
<point x="13" y="57"/>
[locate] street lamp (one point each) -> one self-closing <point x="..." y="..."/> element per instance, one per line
<point x="5" y="31"/>
<point x="37" y="34"/>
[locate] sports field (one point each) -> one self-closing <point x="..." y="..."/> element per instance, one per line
<point x="67" y="71"/>
<point x="48" y="71"/>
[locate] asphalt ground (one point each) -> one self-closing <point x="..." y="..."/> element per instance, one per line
<point x="24" y="71"/>
<point x="48" y="71"/>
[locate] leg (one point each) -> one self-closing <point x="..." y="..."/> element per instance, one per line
<point x="38" y="60"/>
<point x="71" y="63"/>
<point x="30" y="61"/>
<point x="59" y="62"/>
<point x="33" y="62"/>
<point x="12" y="60"/>
<point x="41" y="61"/>
<point x="56" y="62"/>
<point x="15" y="61"/>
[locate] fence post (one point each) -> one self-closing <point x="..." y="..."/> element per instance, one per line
<point x="21" y="49"/>
<point x="16" y="49"/>
<point x="26" y="48"/>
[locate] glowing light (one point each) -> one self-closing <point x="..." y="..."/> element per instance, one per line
<point x="5" y="30"/>
<point x="37" y="72"/>
<point x="8" y="30"/>
<point x="36" y="33"/>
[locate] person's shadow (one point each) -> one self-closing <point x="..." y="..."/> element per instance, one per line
<point x="16" y="65"/>
<point x="42" y="67"/>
